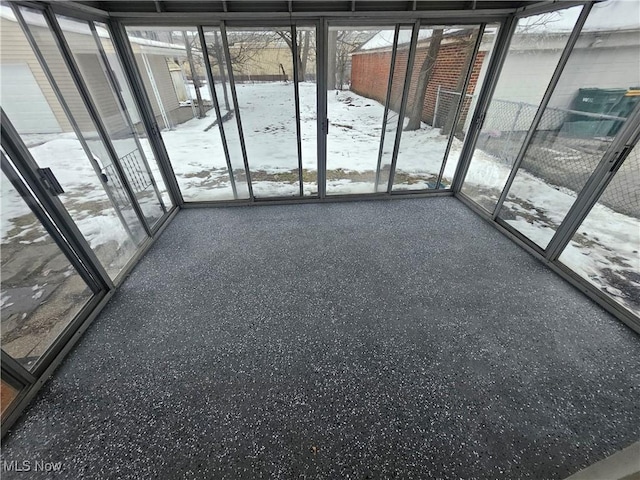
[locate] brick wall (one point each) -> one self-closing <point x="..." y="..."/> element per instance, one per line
<point x="370" y="74"/>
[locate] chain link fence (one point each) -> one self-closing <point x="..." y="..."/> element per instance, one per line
<point x="444" y="111"/>
<point x="564" y="151"/>
<point x="624" y="188"/>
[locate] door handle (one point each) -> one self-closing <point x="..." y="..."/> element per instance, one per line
<point x="50" y="181"/>
<point x="617" y="161"/>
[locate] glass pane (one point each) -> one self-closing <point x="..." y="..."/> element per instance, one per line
<point x="221" y="76"/>
<point x="462" y="125"/>
<point x="262" y="65"/>
<point x="8" y="393"/>
<point x="150" y="164"/>
<point x="113" y="113"/>
<point x="171" y="65"/>
<point x="357" y="86"/>
<point x="41" y="291"/>
<point x="533" y="55"/>
<point x="70" y="146"/>
<point x="306" y="38"/>
<point x="392" y="121"/>
<point x="443" y="56"/>
<point x="591" y="102"/>
<point x="606" y="248"/>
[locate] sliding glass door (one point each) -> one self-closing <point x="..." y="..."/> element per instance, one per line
<point x="440" y="93"/>
<point x="89" y="43"/>
<point x="240" y="107"/>
<point x="265" y="81"/>
<point x="516" y="99"/>
<point x="604" y="249"/>
<point x="240" y="120"/>
<point x="364" y="94"/>
<point x="42" y="292"/>
<point x="195" y="115"/>
<point x="81" y="190"/>
<point x="556" y="159"/>
<point x="589" y="106"/>
<point x="69" y="142"/>
<point x="398" y="101"/>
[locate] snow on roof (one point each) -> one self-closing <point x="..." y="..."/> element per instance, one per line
<point x="384" y="38"/>
<point x="156" y="43"/>
<point x="610" y="15"/>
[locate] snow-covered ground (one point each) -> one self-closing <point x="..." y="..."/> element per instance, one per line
<point x="85" y="197"/>
<point x="605" y="251"/>
<point x="268" y="119"/>
<point x="352" y="152"/>
<point x="269" y="124"/>
<point x="353" y="146"/>
<point x="40" y="291"/>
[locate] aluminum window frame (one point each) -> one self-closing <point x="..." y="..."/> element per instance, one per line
<point x="87" y="98"/>
<point x="397" y="26"/>
<point x="57" y="221"/>
<point x="109" y="73"/>
<point x="611" y="160"/>
<point x="461" y="101"/>
<point x="26" y="166"/>
<point x="270" y="23"/>
<point x="599" y="177"/>
<point x="125" y="52"/>
<point x="116" y="23"/>
<point x="216" y="106"/>
<point x="322" y="23"/>
<point x="42" y="204"/>
<point x="82" y="265"/>
<point x="403" y="103"/>
<point x="608" y="167"/>
<point x="551" y="87"/>
<point x="236" y="106"/>
<point x="65" y="106"/>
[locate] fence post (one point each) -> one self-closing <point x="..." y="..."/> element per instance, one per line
<point x="435" y="109"/>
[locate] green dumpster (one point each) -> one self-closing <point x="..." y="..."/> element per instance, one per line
<point x="605" y="110"/>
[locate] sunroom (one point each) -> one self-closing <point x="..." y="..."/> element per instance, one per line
<point x="327" y="239"/>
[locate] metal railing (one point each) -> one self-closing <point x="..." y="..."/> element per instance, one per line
<point x="137" y="175"/>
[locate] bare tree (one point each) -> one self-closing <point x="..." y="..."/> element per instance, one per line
<point x="537" y="23"/>
<point x="194" y="76"/>
<point x="244" y="48"/>
<point x="331" y="67"/>
<point x="341" y="45"/>
<point x="217" y="55"/>
<point x="305" y="54"/>
<point x="426" y="71"/>
<point x="302" y="49"/>
<point x="344" y="47"/>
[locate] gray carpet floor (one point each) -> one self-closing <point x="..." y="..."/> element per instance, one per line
<point x="402" y="339"/>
